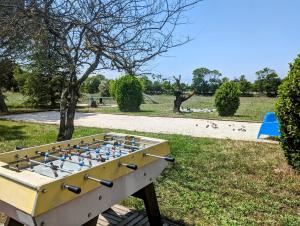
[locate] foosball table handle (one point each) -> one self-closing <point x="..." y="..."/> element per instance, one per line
<point x="72" y="188"/>
<point x="131" y="166"/>
<point x="107" y="183"/>
<point x="170" y="159"/>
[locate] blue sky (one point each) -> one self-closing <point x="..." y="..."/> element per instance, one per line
<point x="235" y="37"/>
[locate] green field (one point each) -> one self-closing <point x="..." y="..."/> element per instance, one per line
<point x="16" y="103"/>
<point x="251" y="108"/>
<point x="213" y="182"/>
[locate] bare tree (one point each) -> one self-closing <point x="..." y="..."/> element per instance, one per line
<point x="111" y="34"/>
<point x="180" y="94"/>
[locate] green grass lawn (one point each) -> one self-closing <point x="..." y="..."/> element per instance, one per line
<point x="213" y="182"/>
<point x="16" y="103"/>
<point x="251" y="108"/>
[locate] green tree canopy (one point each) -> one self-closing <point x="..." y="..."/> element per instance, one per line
<point x="147" y="84"/>
<point x="91" y="84"/>
<point x="42" y="78"/>
<point x="7" y="80"/>
<point x="272" y="83"/>
<point x="206" y="81"/>
<point x="104" y="88"/>
<point x="267" y="81"/>
<point x="245" y="85"/>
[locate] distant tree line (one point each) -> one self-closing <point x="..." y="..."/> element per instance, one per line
<point x="161" y="85"/>
<point x="206" y="82"/>
<point x="43" y="81"/>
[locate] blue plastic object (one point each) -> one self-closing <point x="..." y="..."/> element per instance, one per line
<point x="270" y="126"/>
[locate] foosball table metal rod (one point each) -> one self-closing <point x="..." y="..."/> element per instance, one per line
<point x="128" y="165"/>
<point x="101" y="181"/>
<point x="112" y="143"/>
<point x="85" y="157"/>
<point x="84" y="150"/>
<point x="58" y="158"/>
<point x="50" y="166"/>
<point x="169" y="159"/>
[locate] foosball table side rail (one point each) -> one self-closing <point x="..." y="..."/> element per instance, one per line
<point x="53" y="195"/>
<point x="85" y="207"/>
<point x="102" y="198"/>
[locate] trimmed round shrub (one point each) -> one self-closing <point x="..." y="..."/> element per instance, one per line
<point x="288" y="113"/>
<point x="227" y="98"/>
<point x="128" y="93"/>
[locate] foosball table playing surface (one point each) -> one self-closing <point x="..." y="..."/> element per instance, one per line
<point x="70" y="183"/>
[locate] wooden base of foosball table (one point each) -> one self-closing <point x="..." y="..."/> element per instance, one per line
<point x="147" y="194"/>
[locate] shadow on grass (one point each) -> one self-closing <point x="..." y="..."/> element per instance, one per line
<point x="145" y="111"/>
<point x="11" y="132"/>
<point x="24" y="110"/>
<point x="241" y="116"/>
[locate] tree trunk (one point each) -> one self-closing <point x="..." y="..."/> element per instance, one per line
<point x="177" y="104"/>
<point x="3" y="107"/>
<point x="68" y="104"/>
<point x="180" y="97"/>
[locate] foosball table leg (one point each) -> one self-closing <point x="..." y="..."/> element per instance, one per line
<point x="12" y="222"/>
<point x="147" y="194"/>
<point x="92" y="222"/>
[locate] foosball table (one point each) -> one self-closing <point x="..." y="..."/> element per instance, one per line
<point x="70" y="183"/>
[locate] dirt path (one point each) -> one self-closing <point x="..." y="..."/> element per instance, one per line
<point x="192" y="127"/>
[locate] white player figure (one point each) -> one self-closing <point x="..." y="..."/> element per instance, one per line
<point x="80" y="159"/>
<point x="62" y="161"/>
<point x="81" y="164"/>
<point x="133" y="141"/>
<point x="46" y="157"/>
<point x="97" y="150"/>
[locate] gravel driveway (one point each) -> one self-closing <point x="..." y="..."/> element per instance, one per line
<point x="192" y="127"/>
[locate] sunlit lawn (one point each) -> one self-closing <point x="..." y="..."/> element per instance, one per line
<point x="213" y="182"/>
<point x="251" y="108"/>
<point x="16" y="103"/>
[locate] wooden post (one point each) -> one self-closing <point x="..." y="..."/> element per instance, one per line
<point x="12" y="222"/>
<point x="150" y="201"/>
<point x="92" y="222"/>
